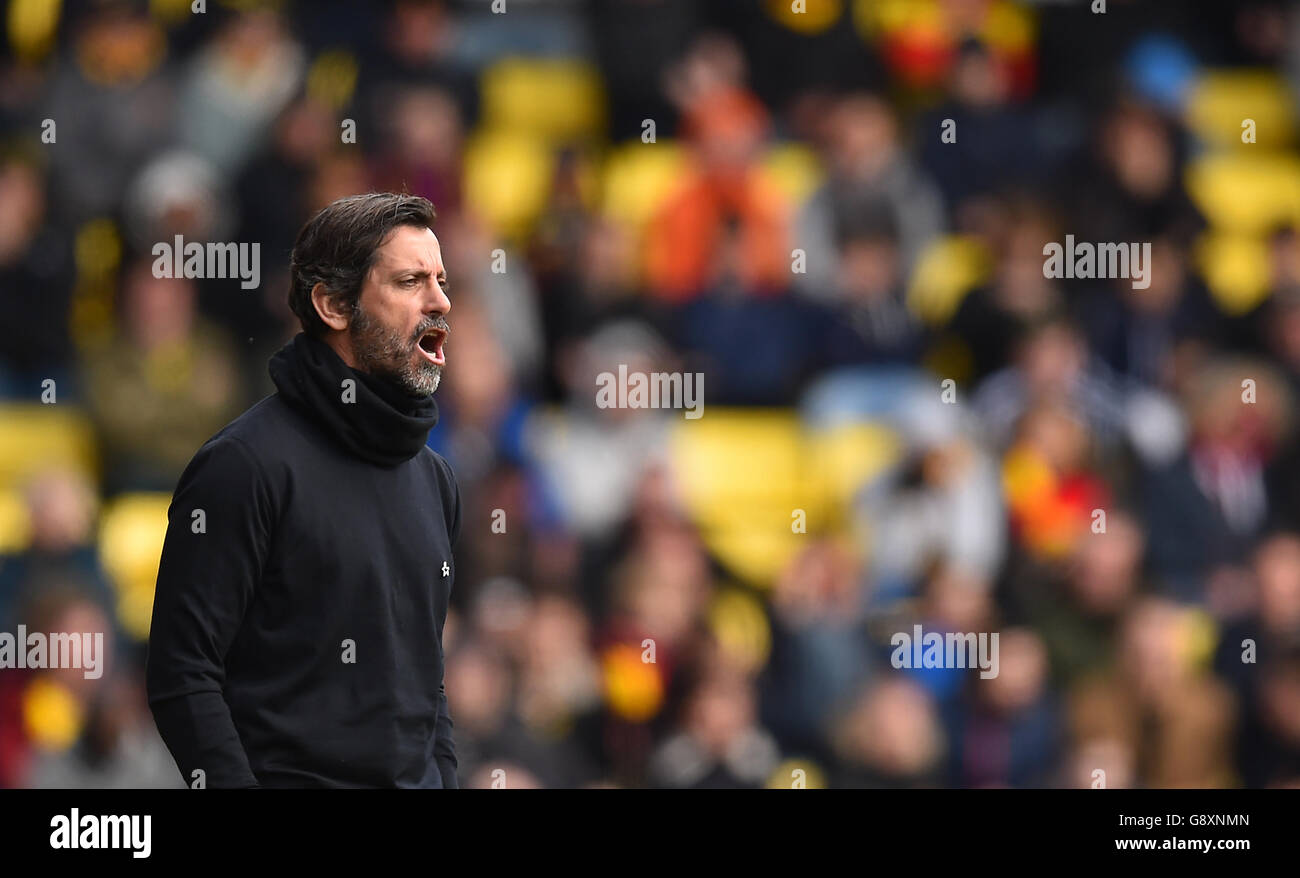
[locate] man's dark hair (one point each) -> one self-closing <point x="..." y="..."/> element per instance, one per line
<point x="337" y="247"/>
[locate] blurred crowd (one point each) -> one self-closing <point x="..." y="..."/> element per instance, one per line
<point x="837" y="217"/>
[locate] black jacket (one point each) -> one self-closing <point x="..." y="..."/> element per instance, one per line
<point x="297" y="624"/>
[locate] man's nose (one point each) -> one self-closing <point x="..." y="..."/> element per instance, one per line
<point x="438" y="302"/>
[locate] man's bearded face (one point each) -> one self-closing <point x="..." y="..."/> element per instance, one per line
<point x="385" y="351"/>
<point x="399" y="324"/>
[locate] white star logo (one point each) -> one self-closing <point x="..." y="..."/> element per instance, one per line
<point x="446" y="570"/>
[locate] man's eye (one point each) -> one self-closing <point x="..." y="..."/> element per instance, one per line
<point x="409" y="282"/>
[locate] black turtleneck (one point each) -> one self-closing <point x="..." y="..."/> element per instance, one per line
<point x="385" y="425"/>
<point x="297" y="624"/>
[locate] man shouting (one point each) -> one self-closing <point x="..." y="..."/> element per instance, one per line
<point x="297" y="625"/>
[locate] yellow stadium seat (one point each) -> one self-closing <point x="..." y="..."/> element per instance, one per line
<point x="740" y="475"/>
<point x="814" y="17"/>
<point x="1006" y="25"/>
<point x="1221" y="101"/>
<point x="507" y="180"/>
<point x="15" y="522"/>
<point x="35" y="436"/>
<point x="639" y="178"/>
<point x="555" y="100"/>
<point x="332" y="78"/>
<point x="754" y="550"/>
<point x="739" y="455"/>
<point x="746" y="474"/>
<point x="1199" y="637"/>
<point x="848" y="456"/>
<point x="799" y="773"/>
<point x="1249" y="193"/>
<point x="32" y="26"/>
<point x="948" y="269"/>
<point x="131" y="534"/>
<point x="794" y="170"/>
<point x="1235" y="268"/>
<point x="171" y="12"/>
<point x="740" y="627"/>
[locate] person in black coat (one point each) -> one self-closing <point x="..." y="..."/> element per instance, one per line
<point x="296" y="638"/>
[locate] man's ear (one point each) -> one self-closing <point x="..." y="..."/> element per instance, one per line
<point x="329" y="307"/>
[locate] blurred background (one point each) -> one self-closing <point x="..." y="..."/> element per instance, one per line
<point x="647" y="170"/>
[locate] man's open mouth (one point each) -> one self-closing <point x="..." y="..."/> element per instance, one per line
<point x="431" y="346"/>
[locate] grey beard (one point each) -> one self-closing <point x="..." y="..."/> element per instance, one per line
<point x="384" y="353"/>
